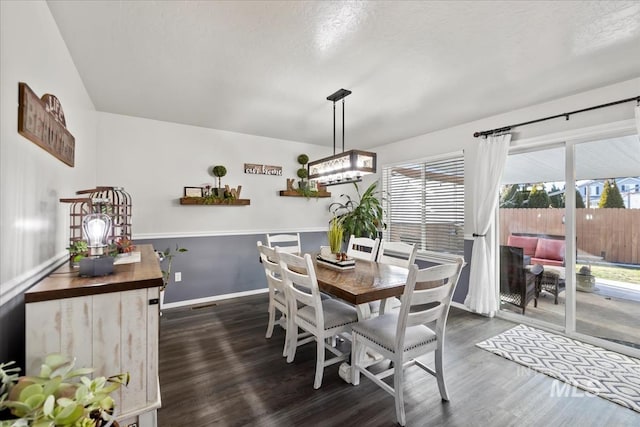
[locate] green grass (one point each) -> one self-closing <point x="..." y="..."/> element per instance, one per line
<point x="620" y="274"/>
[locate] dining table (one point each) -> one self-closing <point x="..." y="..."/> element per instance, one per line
<point x="368" y="281"/>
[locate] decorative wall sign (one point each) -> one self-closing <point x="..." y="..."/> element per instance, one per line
<point x="254" y="169"/>
<point x="42" y="122"/>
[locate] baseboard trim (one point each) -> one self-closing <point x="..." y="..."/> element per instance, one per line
<point x="199" y="301"/>
<point x="460" y="306"/>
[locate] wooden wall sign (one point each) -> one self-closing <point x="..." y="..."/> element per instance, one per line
<point x="42" y="122"/>
<point x="254" y="169"/>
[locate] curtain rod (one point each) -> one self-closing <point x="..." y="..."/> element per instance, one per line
<point x="565" y="115"/>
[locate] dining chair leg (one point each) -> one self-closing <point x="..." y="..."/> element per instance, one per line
<point x="440" y="373"/>
<point x="293" y="342"/>
<point x="272" y="321"/>
<point x="287" y="336"/>
<point x="319" y="362"/>
<point x="398" y="380"/>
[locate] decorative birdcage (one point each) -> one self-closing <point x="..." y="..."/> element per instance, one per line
<point x="113" y="201"/>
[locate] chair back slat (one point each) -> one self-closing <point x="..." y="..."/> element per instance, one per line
<point x="289" y="243"/>
<point x="362" y="248"/>
<point x="397" y="253"/>
<point x="300" y="282"/>
<point x="426" y="305"/>
<point x="270" y="261"/>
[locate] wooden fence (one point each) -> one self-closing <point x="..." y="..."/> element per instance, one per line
<point x="613" y="234"/>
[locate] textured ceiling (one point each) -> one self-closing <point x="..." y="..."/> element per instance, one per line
<point x="266" y="67"/>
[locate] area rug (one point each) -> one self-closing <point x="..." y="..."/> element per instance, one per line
<point x="597" y="371"/>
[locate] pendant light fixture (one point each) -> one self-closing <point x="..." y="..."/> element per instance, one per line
<point x="345" y="167"/>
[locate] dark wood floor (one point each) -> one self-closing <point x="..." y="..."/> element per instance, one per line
<point x="216" y="368"/>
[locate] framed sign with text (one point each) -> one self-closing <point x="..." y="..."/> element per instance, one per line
<point x="255" y="169"/>
<point x="42" y="122"/>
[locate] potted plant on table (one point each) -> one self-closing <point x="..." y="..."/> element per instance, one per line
<point x="334" y="235"/>
<point x="77" y="250"/>
<point x="59" y="396"/>
<point x="362" y="217"/>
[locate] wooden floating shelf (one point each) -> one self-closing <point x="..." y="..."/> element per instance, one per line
<point x="294" y="193"/>
<point x="201" y="201"/>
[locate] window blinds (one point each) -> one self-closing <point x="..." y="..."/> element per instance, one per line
<point x="424" y="204"/>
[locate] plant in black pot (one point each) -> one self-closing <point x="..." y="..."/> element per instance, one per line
<point x="362" y="217"/>
<point x="219" y="171"/>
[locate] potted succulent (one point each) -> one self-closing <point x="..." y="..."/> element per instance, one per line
<point x="219" y="171"/>
<point x="362" y="217"/>
<point x="77" y="250"/>
<point x="59" y="396"/>
<point x="125" y="246"/>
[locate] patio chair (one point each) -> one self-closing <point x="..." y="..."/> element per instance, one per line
<point x="518" y="284"/>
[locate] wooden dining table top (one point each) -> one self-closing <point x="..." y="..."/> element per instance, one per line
<point x="367" y="282"/>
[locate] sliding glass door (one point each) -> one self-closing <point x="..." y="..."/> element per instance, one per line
<point x="574" y="210"/>
<point x="608" y="240"/>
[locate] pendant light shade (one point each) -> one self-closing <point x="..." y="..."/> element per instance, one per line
<point x="345" y="167"/>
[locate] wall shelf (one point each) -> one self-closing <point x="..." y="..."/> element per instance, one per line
<point x="202" y="200"/>
<point x="294" y="193"/>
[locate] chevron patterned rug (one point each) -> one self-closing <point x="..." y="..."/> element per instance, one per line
<point x="601" y="372"/>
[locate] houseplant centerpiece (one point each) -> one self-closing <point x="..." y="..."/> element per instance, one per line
<point x="219" y="171"/>
<point x="362" y="217"/>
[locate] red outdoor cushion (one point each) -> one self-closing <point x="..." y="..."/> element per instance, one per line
<point x="550" y="249"/>
<point x="528" y="244"/>
<point x="545" y="261"/>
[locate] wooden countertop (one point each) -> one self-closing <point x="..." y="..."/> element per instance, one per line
<point x="66" y="283"/>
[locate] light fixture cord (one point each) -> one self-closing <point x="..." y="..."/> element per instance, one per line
<point x="334" y="128"/>
<point x="342" y="125"/>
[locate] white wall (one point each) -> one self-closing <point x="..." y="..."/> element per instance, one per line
<point x="33" y="222"/>
<point x="154" y="160"/>
<point x="461" y="137"/>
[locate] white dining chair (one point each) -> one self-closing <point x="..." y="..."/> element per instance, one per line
<point x="289" y="243"/>
<point x="401" y="337"/>
<point x="395" y="253"/>
<point x="324" y="319"/>
<point x="362" y="248"/>
<point x="277" y="295"/>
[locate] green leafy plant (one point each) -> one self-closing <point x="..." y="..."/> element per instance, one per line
<point x="611" y="197"/>
<point x="362" y="217"/>
<point x="334" y="235"/>
<point x="78" y="250"/>
<point x="59" y="396"/>
<point x="167" y="256"/>
<point x="303" y="159"/>
<point x="302" y="173"/>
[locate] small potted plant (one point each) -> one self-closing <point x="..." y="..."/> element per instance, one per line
<point x="59" y="396"/>
<point x="219" y="171"/>
<point x="167" y="256"/>
<point x="125" y="246"/>
<point x="334" y="235"/>
<point x="585" y="281"/>
<point x="77" y="250"/>
<point x="302" y="172"/>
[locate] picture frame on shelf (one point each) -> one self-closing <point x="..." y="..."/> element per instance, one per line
<point x="193" y="192"/>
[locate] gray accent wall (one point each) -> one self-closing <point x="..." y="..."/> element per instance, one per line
<point x="220" y="265"/>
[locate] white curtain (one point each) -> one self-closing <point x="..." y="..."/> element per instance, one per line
<point x="484" y="188"/>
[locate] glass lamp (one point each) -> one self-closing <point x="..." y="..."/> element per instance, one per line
<point x="96" y="227"/>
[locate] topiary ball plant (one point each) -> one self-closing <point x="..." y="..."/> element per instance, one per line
<point x="303" y="173"/>
<point x="303" y="159"/>
<point x="219" y="171"/>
